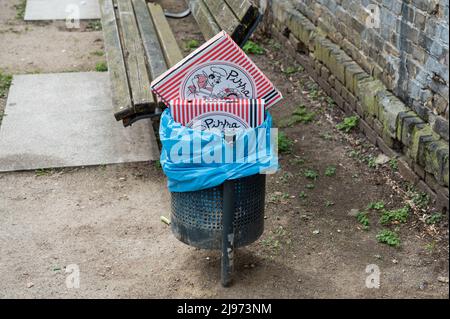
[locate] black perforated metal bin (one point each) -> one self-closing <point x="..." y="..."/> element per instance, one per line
<point x="197" y="216"/>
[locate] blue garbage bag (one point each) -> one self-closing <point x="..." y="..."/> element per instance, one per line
<point x="194" y="160"/>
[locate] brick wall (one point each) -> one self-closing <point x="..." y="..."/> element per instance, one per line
<point x="387" y="62"/>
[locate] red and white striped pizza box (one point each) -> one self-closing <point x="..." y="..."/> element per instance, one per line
<point x="218" y="114"/>
<point x="218" y="69"/>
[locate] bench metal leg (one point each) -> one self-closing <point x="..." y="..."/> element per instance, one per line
<point x="227" y="232"/>
<point x="177" y="15"/>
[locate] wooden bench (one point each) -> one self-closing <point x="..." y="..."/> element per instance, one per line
<point x="140" y="46"/>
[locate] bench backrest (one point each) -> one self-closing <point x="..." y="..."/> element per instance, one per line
<point x="238" y="18"/>
<point x="139" y="47"/>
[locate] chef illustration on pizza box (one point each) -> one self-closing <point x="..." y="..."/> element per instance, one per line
<point x="218" y="81"/>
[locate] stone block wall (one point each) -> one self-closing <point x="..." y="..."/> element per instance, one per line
<point x="385" y="61"/>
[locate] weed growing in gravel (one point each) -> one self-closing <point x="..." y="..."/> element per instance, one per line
<point x="326" y="136"/>
<point x="95" y="25"/>
<point x="376" y="205"/>
<point x="393" y="163"/>
<point x="101" y="66"/>
<point x="301" y="115"/>
<point x="388" y="237"/>
<point x="285" y="178"/>
<point x="330" y="102"/>
<point x="330" y="171"/>
<point x="43" y="171"/>
<point x="98" y="53"/>
<point x="309" y="186"/>
<point x="363" y="220"/>
<point x="395" y="216"/>
<point x="297" y="161"/>
<point x="5" y="83"/>
<point x="371" y="162"/>
<point x="284" y="143"/>
<point x="421" y="200"/>
<point x="192" y="44"/>
<point x="20" y="9"/>
<point x="328" y="203"/>
<point x="302" y="195"/>
<point x="276" y="46"/>
<point x="311" y="174"/>
<point x="435" y="218"/>
<point x="292" y="69"/>
<point x="314" y="93"/>
<point x="354" y="154"/>
<point x="276" y="240"/>
<point x="253" y="48"/>
<point x="430" y="246"/>
<point x="348" y="124"/>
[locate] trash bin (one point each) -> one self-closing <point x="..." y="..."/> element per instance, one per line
<point x="217" y="205"/>
<point x="197" y="216"/>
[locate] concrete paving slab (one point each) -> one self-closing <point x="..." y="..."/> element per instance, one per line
<point x="66" y="119"/>
<point x="61" y="9"/>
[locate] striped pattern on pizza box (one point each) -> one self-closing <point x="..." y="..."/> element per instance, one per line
<point x="245" y="113"/>
<point x="218" y="69"/>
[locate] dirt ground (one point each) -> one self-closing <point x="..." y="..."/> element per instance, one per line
<point x="106" y="219"/>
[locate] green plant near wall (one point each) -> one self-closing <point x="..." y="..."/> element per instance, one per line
<point x="394" y="216"/>
<point x="253" y="48"/>
<point x="348" y="124"/>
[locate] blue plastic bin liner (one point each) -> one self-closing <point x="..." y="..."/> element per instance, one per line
<point x="194" y="160"/>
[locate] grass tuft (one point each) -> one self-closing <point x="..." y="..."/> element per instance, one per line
<point x="348" y="124"/>
<point x="192" y="44"/>
<point x="395" y="216"/>
<point x="5" y="83"/>
<point x="311" y="174"/>
<point x="330" y="171"/>
<point x="20" y="9"/>
<point x="388" y="237"/>
<point x="253" y="48"/>
<point x="363" y="220"/>
<point x="284" y="143"/>
<point x="101" y="66"/>
<point x="95" y="25"/>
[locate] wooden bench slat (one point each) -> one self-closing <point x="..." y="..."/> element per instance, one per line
<point x="227" y="20"/>
<point x="223" y="15"/>
<point x="116" y="66"/>
<point x="134" y="57"/>
<point x="205" y="20"/>
<point x="166" y="38"/>
<point x="246" y="12"/>
<point x="155" y="56"/>
<point x="239" y="7"/>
